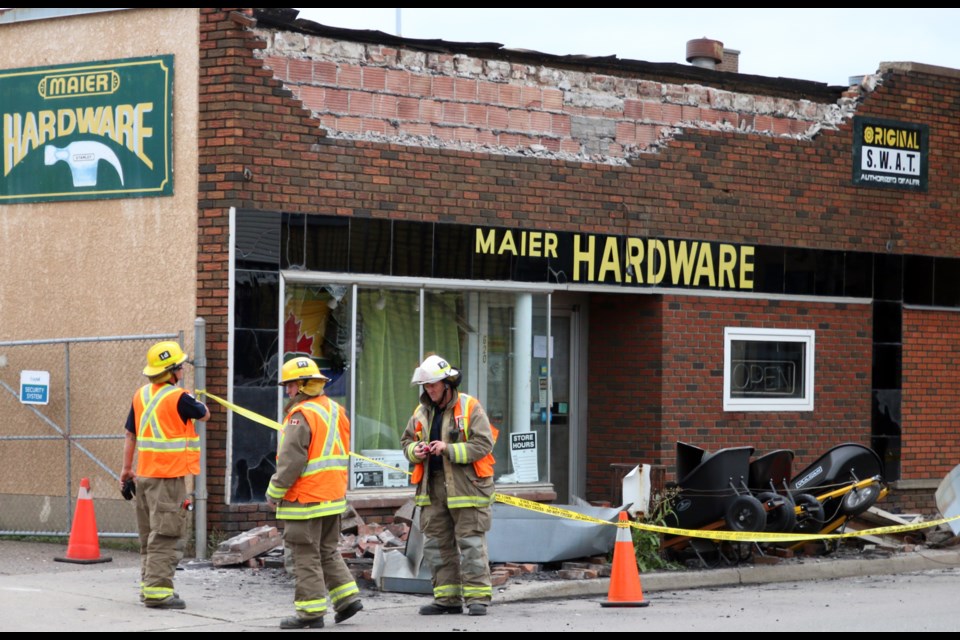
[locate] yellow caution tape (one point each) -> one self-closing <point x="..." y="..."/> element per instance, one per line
<point x="246" y="413"/>
<point x="273" y="424"/>
<point x="714" y="534"/>
<point x="736" y="536"/>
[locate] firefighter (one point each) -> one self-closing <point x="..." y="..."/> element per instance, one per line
<point x="450" y="442"/>
<point x="160" y="429"/>
<point x="309" y="492"/>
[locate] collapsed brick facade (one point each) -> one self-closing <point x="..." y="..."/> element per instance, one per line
<point x="321" y="125"/>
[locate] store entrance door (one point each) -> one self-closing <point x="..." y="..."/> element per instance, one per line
<point x="562" y="422"/>
<point x="558" y="429"/>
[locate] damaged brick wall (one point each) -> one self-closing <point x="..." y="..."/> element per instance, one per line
<point x="260" y="149"/>
<point x="452" y="100"/>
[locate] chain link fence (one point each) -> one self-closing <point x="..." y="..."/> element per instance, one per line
<point x="48" y="444"/>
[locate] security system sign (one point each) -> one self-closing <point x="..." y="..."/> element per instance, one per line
<point x="87" y="131"/>
<point x="34" y="387"/>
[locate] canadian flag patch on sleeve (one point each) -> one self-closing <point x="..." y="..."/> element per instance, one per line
<point x="294" y="421"/>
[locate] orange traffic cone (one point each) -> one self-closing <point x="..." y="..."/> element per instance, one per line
<point x="84" y="545"/>
<point x="625" y="590"/>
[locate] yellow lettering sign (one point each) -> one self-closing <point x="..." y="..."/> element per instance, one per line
<point x="681" y="261"/>
<point x="894" y="137"/>
<point x="124" y="124"/>
<point x="610" y="263"/>
<point x="581" y="256"/>
<point x="635" y="260"/>
<point x="656" y="261"/>
<point x="687" y="263"/>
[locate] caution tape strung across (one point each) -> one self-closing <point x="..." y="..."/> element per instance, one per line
<point x="733" y="536"/>
<point x="737" y="536"/>
<point x="246" y="413"/>
<point x="273" y="424"/>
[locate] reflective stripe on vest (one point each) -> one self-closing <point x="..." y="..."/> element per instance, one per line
<point x="149" y="417"/>
<point x="327" y="460"/>
<point x="167" y="445"/>
<point x="482" y="467"/>
<point x="320" y="489"/>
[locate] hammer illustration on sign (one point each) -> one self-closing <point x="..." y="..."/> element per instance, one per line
<point x="83" y="157"/>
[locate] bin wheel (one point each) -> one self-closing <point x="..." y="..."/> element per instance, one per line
<point x="859" y="500"/>
<point x="780" y="519"/>
<point x="746" y="513"/>
<point x="810" y="517"/>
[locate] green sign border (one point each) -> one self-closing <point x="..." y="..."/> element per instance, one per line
<point x="161" y="187"/>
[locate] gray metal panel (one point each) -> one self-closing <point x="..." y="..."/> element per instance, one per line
<point x="521" y="535"/>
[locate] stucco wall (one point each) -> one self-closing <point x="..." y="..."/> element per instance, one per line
<point x="105" y="267"/>
<point x="92" y="268"/>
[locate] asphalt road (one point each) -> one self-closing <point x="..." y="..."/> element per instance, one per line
<point x="886" y="592"/>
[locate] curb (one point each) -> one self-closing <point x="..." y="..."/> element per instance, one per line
<point x="788" y="571"/>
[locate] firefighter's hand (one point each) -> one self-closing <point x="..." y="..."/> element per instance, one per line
<point x="127" y="479"/>
<point x="272" y="503"/>
<point x="421" y="450"/>
<point x="437" y="447"/>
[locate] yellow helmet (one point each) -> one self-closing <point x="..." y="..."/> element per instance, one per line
<point x="163" y="356"/>
<point x="435" y="369"/>
<point x="300" y="368"/>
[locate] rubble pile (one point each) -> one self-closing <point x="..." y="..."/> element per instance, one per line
<point x="359" y="541"/>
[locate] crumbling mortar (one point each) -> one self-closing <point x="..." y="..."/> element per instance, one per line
<point x="580" y="90"/>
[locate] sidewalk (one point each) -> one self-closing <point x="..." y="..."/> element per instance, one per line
<point x="40" y="594"/>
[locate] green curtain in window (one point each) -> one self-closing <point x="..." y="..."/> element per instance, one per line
<point x="388" y="352"/>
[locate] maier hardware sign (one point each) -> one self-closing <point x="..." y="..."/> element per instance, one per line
<point x="87" y="131"/>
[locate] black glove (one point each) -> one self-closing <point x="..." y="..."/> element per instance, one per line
<point x="129" y="489"/>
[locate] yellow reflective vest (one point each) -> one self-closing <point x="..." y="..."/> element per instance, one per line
<point x="472" y="448"/>
<point x="321" y="488"/>
<point x="167" y="447"/>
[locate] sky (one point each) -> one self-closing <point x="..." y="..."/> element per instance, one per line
<point x="823" y="45"/>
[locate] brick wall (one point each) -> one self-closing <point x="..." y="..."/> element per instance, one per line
<point x="455" y="100"/>
<point x="931" y="393"/>
<point x="909" y="501"/>
<point x="656" y="377"/>
<point x="624" y="384"/>
<point x="260" y="148"/>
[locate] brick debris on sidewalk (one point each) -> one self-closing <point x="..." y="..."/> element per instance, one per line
<point x="262" y="548"/>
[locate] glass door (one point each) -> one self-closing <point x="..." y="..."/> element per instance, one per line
<point x="555" y="408"/>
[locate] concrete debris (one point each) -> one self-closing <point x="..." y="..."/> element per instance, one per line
<point x="377" y="554"/>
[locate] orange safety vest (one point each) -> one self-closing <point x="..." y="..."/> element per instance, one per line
<point x="461" y="415"/>
<point x="167" y="447"/>
<point x="324" y="478"/>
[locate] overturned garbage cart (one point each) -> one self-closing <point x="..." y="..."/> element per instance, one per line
<point x="730" y="489"/>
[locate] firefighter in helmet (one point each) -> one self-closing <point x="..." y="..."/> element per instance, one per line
<point x="449" y="440"/>
<point x="160" y="430"/>
<point x="309" y="492"/>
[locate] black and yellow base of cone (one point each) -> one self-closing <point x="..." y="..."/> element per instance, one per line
<point x="625" y="589"/>
<point x="84" y="544"/>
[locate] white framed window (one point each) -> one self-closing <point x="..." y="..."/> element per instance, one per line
<point x="364" y="335"/>
<point x="768" y="369"/>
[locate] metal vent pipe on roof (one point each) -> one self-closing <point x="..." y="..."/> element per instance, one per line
<point x="705" y="53"/>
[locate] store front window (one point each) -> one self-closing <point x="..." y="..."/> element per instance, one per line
<point x="368" y="339"/>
